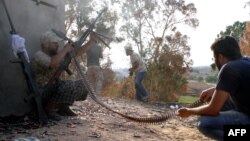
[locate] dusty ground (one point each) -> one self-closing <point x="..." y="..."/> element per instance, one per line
<point x="94" y="123"/>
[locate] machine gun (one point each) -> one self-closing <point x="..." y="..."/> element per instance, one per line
<point x="77" y="45"/>
<point x="29" y="75"/>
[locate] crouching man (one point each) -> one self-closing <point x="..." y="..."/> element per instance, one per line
<point x="58" y="97"/>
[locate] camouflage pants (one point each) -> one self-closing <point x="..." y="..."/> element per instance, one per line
<point x="95" y="77"/>
<point x="66" y="92"/>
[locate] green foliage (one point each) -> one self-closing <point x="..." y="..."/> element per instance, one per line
<point x="235" y="30"/>
<point x="212" y="77"/>
<point x="187" y="99"/>
<point x="164" y="82"/>
<point x="81" y="13"/>
<point x="213" y="66"/>
<point x="200" y="78"/>
<point x="204" y="74"/>
<point x="196" y="78"/>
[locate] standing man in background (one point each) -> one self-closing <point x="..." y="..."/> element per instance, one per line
<point x="140" y="70"/>
<point x="94" y="72"/>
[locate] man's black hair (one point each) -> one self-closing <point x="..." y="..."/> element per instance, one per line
<point x="228" y="47"/>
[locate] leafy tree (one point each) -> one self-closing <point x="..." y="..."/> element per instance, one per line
<point x="200" y="78"/>
<point x="148" y="23"/>
<point x="212" y="77"/>
<point x="245" y="41"/>
<point x="213" y="66"/>
<point x="108" y="74"/>
<point x="235" y="30"/>
<point x="81" y="13"/>
<point x="151" y="26"/>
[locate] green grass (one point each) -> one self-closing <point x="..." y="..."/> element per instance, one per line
<point x="187" y="99"/>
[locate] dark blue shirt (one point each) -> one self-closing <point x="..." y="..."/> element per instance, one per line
<point x="234" y="78"/>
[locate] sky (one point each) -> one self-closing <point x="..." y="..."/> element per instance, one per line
<point x="213" y="16"/>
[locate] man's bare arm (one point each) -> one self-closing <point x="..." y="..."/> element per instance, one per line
<point x="85" y="48"/>
<point x="213" y="108"/>
<point x="101" y="53"/>
<point x="207" y="94"/>
<point x="135" y="65"/>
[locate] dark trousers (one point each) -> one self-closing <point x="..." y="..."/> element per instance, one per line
<point x="140" y="90"/>
<point x="212" y="126"/>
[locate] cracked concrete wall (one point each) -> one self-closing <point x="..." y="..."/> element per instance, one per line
<point x="30" y="21"/>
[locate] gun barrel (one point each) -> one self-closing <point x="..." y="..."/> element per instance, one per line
<point x="44" y="3"/>
<point x="102" y="35"/>
<point x="61" y="35"/>
<point x="103" y="42"/>
<point x="13" y="30"/>
<point x="90" y="29"/>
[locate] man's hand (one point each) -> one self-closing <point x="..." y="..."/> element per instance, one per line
<point x="93" y="37"/>
<point x="207" y="94"/>
<point x="59" y="57"/>
<point x="68" y="48"/>
<point x="130" y="71"/>
<point x="183" y="112"/>
<point x="18" y="45"/>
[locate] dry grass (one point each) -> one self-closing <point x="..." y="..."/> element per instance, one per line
<point x="124" y="89"/>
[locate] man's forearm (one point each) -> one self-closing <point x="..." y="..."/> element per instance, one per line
<point x="134" y="66"/>
<point x="203" y="110"/>
<point x="85" y="47"/>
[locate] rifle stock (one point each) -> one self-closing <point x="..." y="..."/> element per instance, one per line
<point x="34" y="91"/>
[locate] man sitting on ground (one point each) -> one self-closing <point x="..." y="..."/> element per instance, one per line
<point x="62" y="93"/>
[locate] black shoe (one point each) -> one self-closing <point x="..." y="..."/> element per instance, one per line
<point x="145" y="99"/>
<point x="54" y="116"/>
<point x="66" y="111"/>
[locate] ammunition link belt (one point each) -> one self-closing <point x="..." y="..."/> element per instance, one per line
<point x="152" y="120"/>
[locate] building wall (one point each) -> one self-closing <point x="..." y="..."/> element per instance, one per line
<point x="30" y="21"/>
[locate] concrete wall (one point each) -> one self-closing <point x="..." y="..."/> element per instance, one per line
<point x="30" y="21"/>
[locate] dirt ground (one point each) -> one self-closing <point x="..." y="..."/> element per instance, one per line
<point x="95" y="123"/>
